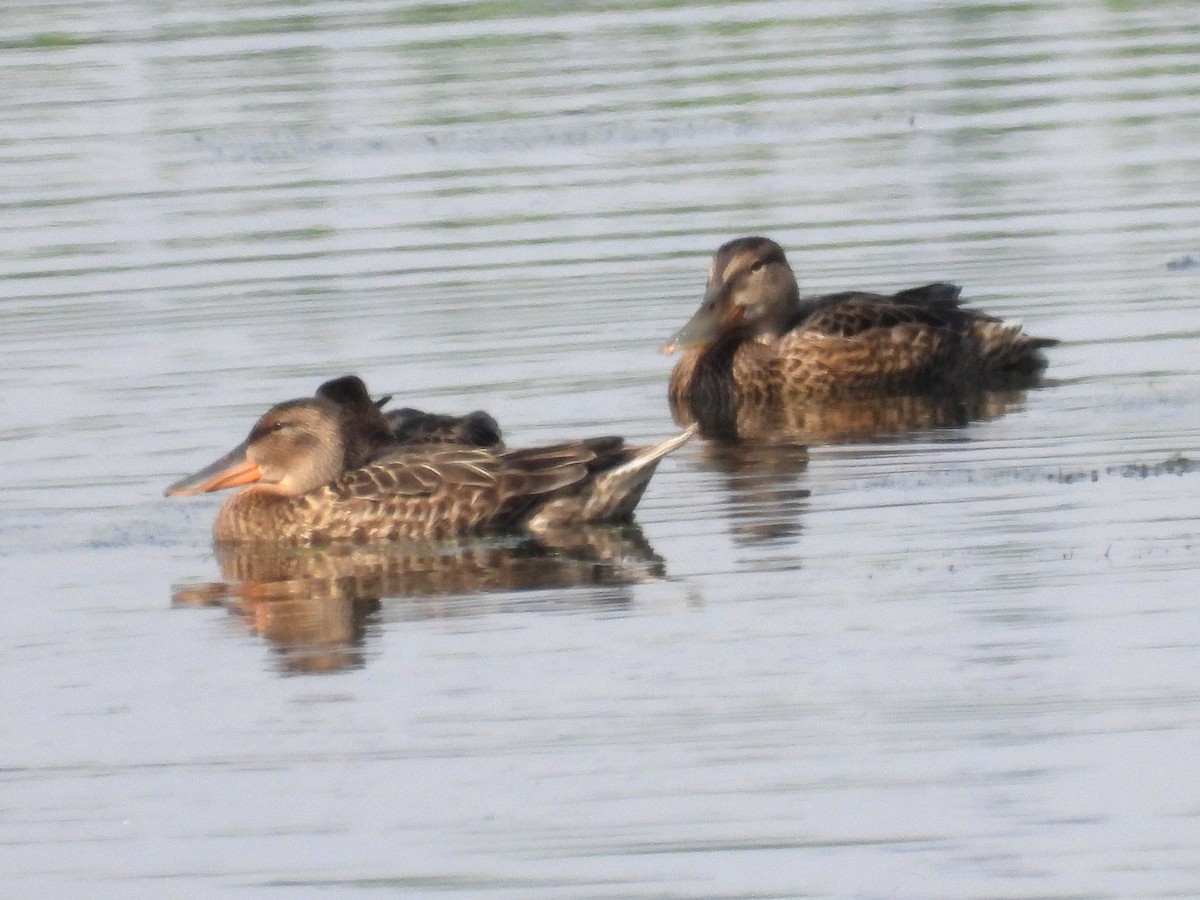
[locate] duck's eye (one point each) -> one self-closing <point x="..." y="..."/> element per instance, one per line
<point x="757" y="264"/>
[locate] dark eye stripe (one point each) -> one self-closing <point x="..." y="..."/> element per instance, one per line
<point x="774" y="256"/>
<point x="270" y="428"/>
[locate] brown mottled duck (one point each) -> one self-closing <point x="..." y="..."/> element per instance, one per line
<point x="296" y="487"/>
<point x="754" y="343"/>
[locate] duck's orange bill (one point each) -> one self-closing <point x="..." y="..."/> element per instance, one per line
<point x="229" y="471"/>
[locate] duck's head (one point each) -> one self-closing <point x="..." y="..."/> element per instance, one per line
<point x="349" y="392"/>
<point x="365" y="430"/>
<point x="296" y="447"/>
<point x="750" y="290"/>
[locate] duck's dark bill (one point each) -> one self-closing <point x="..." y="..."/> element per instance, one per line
<point x="705" y="325"/>
<point x="701" y="328"/>
<point x="698" y="329"/>
<point x="230" y="470"/>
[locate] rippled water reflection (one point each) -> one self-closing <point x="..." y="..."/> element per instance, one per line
<point x="314" y="604"/>
<point x="954" y="662"/>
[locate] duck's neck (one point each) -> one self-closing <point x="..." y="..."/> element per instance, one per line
<point x="707" y="387"/>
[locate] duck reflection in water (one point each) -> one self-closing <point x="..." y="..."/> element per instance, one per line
<point x="317" y="605"/>
<point x="761" y="364"/>
<point x="765" y="504"/>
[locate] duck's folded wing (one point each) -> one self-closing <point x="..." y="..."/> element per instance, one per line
<point x="852" y="313"/>
<point x="453" y="470"/>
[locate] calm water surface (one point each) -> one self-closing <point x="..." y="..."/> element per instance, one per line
<point x="951" y="663"/>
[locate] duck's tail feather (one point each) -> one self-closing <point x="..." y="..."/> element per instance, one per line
<point x="1006" y="349"/>
<point x="612" y="492"/>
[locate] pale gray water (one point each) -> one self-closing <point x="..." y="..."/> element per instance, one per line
<point x="954" y="664"/>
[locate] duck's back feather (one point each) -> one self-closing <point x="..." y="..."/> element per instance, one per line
<point x="915" y="339"/>
<point x="851" y="313"/>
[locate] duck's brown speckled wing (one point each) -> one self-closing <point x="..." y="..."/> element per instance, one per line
<point x="852" y="313"/>
<point x="444" y="490"/>
<point x="900" y="357"/>
<point x="918" y="338"/>
<point x="440" y="491"/>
